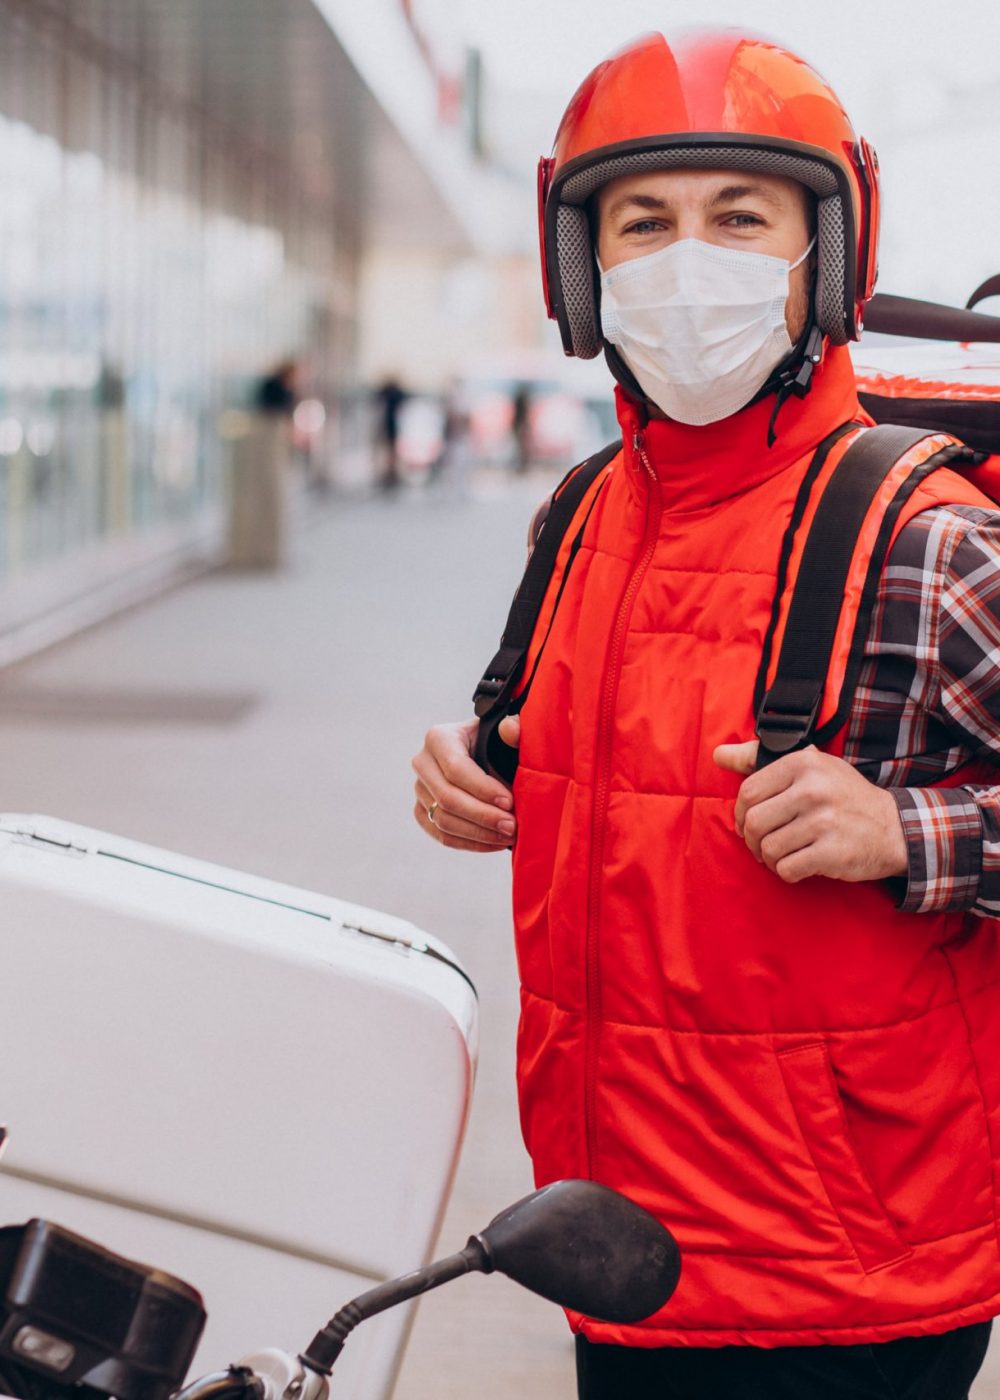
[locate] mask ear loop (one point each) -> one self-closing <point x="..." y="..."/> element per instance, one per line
<point x="801" y="259"/>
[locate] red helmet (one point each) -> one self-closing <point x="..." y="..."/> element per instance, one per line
<point x="711" y="99"/>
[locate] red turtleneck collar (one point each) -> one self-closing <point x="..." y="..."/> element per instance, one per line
<point x="700" y="466"/>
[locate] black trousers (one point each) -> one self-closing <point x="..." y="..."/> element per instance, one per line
<point x="912" y="1368"/>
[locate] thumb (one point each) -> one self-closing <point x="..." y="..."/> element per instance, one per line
<point x="737" y="758"/>
<point x="509" y="730"/>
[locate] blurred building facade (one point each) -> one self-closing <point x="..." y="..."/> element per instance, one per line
<point x="189" y="187"/>
<point x="476" y="322"/>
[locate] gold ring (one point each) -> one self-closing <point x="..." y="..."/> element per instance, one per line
<point x="430" y="812"/>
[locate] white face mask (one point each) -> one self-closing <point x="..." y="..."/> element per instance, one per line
<point x="700" y="327"/>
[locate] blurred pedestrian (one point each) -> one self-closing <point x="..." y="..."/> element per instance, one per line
<point x="276" y="392"/>
<point x="454" y="463"/>
<point x="260" y="505"/>
<point x="759" y="980"/>
<point x="390" y="397"/>
<point x="521" y="427"/>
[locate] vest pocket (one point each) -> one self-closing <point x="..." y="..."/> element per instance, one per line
<point x="813" y="1092"/>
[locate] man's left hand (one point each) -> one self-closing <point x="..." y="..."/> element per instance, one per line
<point x="812" y="814"/>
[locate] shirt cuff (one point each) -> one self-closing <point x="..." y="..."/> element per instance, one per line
<point x="944" y="841"/>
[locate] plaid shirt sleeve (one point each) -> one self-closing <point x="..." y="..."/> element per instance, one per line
<point x="953" y="833"/>
<point x="944" y="841"/>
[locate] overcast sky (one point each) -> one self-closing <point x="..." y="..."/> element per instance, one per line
<point x="921" y="80"/>
<point x="550" y="44"/>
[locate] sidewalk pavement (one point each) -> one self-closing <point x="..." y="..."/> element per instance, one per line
<point x="267" y="723"/>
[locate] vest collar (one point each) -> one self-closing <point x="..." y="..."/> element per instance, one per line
<point x="701" y="466"/>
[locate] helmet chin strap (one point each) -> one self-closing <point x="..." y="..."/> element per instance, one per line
<point x="791" y="378"/>
<point x="627" y="379"/>
<point x="794" y="375"/>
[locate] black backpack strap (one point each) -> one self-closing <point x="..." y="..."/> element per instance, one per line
<point x="492" y="696"/>
<point x="787" y="714"/>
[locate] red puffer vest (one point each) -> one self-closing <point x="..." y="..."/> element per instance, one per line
<point x="801" y="1081"/>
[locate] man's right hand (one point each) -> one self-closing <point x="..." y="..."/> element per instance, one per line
<point x="471" y="810"/>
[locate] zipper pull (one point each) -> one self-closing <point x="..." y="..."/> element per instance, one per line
<point x="642" y="460"/>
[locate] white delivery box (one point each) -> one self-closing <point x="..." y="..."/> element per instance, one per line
<point x="257" y="1088"/>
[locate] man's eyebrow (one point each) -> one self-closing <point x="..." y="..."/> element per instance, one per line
<point x="640" y="201"/>
<point x="729" y="194"/>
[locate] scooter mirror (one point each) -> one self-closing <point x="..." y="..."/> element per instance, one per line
<point x="586" y="1248"/>
<point x="576" y="1243"/>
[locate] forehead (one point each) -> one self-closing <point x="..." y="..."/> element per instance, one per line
<point x="674" y="188"/>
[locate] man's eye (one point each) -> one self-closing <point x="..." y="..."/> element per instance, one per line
<point x="643" y="226"/>
<point x="746" y="220"/>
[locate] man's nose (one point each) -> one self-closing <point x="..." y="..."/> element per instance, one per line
<point x="692" y="224"/>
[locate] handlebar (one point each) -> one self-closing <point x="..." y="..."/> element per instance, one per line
<point x="236" y="1383"/>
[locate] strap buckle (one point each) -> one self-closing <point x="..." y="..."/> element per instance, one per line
<point x="487" y="692"/>
<point x="787" y="715"/>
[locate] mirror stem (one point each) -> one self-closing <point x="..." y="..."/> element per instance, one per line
<point x="328" y="1343"/>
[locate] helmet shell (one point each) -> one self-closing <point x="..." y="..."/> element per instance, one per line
<point x="717" y="99"/>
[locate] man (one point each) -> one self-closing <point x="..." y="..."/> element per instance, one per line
<point x="390" y="396"/>
<point x="754" y="1002"/>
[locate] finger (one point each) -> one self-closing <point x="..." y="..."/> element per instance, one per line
<point x="448" y="751"/>
<point x="500" y="831"/>
<point x="455" y="796"/>
<point x="509" y="730"/>
<point x="765" y="818"/>
<point x="737" y="758"/>
<point x="462" y="815"/>
<point x="787" y="841"/>
<point x="770" y="781"/>
<point x="425" y="798"/>
<point x="454" y="843"/>
<point x="801" y="865"/>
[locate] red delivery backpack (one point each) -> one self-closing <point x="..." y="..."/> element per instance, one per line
<point x="946" y="380"/>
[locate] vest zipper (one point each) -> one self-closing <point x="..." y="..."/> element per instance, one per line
<point x="602" y="779"/>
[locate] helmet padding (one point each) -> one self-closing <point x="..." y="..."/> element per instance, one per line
<point x="577" y="272"/>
